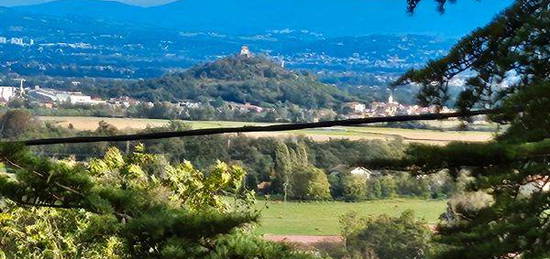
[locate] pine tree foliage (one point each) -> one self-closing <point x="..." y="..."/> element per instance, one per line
<point x="512" y="49"/>
<point x="122" y="206"/>
<point x="411" y="4"/>
<point x="508" y="65"/>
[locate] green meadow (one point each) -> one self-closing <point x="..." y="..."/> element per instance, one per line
<point x="321" y="218"/>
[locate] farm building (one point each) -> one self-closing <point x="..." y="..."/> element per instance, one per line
<point x="362" y="171"/>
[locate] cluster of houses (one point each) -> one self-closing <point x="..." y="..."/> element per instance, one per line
<point x="16" y="41"/>
<point x="247" y="107"/>
<point x="389" y="108"/>
<point x="7" y="93"/>
<point x="49" y="98"/>
<point x="45" y="96"/>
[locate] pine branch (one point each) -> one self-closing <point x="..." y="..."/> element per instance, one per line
<point x="67" y="188"/>
<point x="55" y="206"/>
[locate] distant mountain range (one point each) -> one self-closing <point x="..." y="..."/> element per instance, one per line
<point x="76" y="38"/>
<point x="330" y="17"/>
<point x="69" y="45"/>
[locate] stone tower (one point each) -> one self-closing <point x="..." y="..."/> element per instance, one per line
<point x="245" y="52"/>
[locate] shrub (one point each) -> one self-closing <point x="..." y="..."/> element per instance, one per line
<point x="15" y="123"/>
<point x="309" y="183"/>
<point x="386" y="237"/>
<point x="466" y="206"/>
<point x="374" y="189"/>
<point x="355" y="187"/>
<point x="389" y="187"/>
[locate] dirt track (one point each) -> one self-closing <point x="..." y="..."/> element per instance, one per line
<point x="305" y="240"/>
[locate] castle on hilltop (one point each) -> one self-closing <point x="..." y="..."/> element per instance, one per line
<point x="245" y="52"/>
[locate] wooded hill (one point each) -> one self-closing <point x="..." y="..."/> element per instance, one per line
<point x="256" y="80"/>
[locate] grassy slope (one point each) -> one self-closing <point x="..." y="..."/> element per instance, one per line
<point x="321" y="218"/>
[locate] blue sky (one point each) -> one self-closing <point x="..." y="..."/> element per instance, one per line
<point x="135" y="2"/>
<point x="332" y="17"/>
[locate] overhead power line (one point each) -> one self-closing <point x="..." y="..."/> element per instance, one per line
<point x="245" y="129"/>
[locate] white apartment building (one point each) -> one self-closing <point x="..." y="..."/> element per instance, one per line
<point x="55" y="96"/>
<point x="7" y="93"/>
<point x="16" y="41"/>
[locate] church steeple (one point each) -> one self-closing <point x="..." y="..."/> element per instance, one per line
<point x="390" y="99"/>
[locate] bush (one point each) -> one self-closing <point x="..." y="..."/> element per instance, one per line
<point x="328" y="249"/>
<point x="389" y="187"/>
<point x="374" y="189"/>
<point x="15" y="123"/>
<point x="466" y="206"/>
<point x="412" y="186"/>
<point x="249" y="246"/>
<point x="309" y="183"/>
<point x="355" y="187"/>
<point x="386" y="237"/>
<point x="336" y="186"/>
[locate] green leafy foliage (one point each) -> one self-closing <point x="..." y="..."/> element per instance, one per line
<point x="245" y="246"/>
<point x="15" y="122"/>
<point x="354" y="187"/>
<point x="309" y="183"/>
<point x="53" y="233"/>
<point x="114" y="207"/>
<point x="386" y="237"/>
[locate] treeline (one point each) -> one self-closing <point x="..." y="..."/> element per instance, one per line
<point x="208" y="110"/>
<point x="138" y="205"/>
<point x="394" y="184"/>
<point x="281" y="168"/>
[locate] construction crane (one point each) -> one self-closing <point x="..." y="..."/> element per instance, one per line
<point x="21" y="89"/>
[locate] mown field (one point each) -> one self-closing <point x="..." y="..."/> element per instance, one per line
<point x="321" y="218"/>
<point x="353" y="133"/>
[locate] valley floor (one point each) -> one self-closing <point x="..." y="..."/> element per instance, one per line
<point x="321" y="218"/>
<point x="438" y="137"/>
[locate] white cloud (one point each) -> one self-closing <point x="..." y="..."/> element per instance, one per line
<point x="133" y="2"/>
